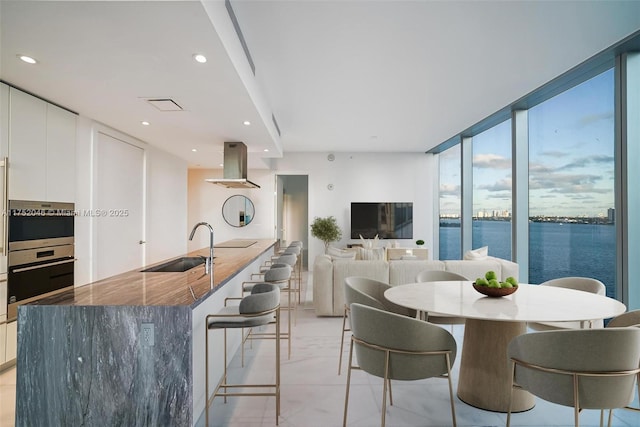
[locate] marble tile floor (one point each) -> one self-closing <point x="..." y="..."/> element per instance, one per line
<point x="313" y="394"/>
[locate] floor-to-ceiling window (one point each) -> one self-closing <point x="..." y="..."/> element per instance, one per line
<point x="492" y="190"/>
<point x="450" y="203"/>
<point x="571" y="184"/>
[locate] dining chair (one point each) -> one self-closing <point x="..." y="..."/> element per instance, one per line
<point x="585" y="284"/>
<point x="391" y="346"/>
<point x="441" y="276"/>
<point x="630" y="319"/>
<point x="368" y="292"/>
<point x="580" y="368"/>
<point x="260" y="308"/>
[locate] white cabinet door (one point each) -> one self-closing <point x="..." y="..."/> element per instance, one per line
<point x="4" y="119"/>
<point x="61" y="155"/>
<point x="3" y="343"/>
<point x="12" y="341"/>
<point x="27" y="148"/>
<point x="118" y="186"/>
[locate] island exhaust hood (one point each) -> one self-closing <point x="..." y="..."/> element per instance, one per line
<point x="235" y="167"/>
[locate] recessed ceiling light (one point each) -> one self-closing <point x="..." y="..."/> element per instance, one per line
<point x="194" y="150"/>
<point x="266" y="150"/>
<point x="246" y="123"/>
<point x="145" y="123"/>
<point x="221" y="165"/>
<point x="200" y="58"/>
<point x="27" y="59"/>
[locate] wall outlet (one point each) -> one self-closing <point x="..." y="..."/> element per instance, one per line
<point x="147" y="335"/>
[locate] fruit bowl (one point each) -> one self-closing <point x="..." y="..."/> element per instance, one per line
<point x="494" y="292"/>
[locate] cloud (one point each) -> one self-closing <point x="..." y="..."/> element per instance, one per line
<point x="554" y="153"/>
<point x="491" y="161"/>
<point x="449" y="190"/>
<point x="594" y="118"/>
<point x="501" y="185"/>
<point x="586" y="161"/>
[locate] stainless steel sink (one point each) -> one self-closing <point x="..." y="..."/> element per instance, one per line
<point x="176" y="265"/>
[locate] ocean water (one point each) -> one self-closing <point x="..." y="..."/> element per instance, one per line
<point x="555" y="249"/>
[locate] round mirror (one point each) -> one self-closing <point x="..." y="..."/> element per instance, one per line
<point x="238" y="211"/>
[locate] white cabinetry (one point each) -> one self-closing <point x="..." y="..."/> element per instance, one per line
<point x="4" y="119"/>
<point x="3" y="319"/>
<point x="12" y="341"/>
<point x="41" y="150"/>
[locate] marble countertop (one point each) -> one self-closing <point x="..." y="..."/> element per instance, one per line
<point x="187" y="288"/>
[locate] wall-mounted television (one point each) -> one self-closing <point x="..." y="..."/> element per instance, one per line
<point x="388" y="220"/>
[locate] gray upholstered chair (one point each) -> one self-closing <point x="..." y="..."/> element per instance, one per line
<point x="581" y="368"/>
<point x="395" y="347"/>
<point x="585" y="284"/>
<point x="630" y="319"/>
<point x="368" y="292"/>
<point x="280" y="275"/>
<point x="441" y="276"/>
<point x="259" y="308"/>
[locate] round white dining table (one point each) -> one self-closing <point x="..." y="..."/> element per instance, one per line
<point x="491" y="323"/>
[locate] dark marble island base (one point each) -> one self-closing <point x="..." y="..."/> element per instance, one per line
<point x="97" y="364"/>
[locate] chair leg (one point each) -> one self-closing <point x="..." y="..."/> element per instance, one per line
<point x="206" y="374"/>
<point x="453" y="408"/>
<point x="346" y="397"/>
<point x="384" y="386"/>
<point x="344" y="324"/>
<point x="277" y="365"/>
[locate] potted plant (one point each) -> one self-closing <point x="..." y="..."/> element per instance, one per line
<point x="326" y="229"/>
<point x="420" y="243"/>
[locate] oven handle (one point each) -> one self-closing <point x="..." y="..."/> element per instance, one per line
<point x="35" y="267"/>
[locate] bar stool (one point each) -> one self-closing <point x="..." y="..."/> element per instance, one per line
<point x="279" y="275"/>
<point x="254" y="310"/>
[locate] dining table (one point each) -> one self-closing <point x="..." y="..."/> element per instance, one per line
<point x="492" y="322"/>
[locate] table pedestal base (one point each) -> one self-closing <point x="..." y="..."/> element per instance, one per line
<point x="484" y="380"/>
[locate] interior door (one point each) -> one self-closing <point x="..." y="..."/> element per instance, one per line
<point x="118" y="206"/>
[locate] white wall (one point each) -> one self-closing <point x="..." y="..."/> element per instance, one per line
<point x="356" y="177"/>
<point x="165" y="200"/>
<point x="205" y="202"/>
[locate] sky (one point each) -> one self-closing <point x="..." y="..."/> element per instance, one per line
<point x="571" y="157"/>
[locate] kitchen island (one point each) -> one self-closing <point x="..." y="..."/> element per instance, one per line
<point x="129" y="350"/>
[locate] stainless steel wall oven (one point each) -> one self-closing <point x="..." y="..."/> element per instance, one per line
<point x="41" y="251"/>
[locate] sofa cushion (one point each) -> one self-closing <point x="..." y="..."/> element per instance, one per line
<point x="375" y="254"/>
<point x="336" y="253"/>
<point x="476" y="254"/>
<point x="403" y="272"/>
<point x="378" y="270"/>
<point x="474" y="269"/>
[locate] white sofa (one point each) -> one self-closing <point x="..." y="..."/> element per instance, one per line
<point x="329" y="275"/>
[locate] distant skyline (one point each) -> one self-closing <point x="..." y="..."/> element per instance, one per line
<point x="571" y="157"/>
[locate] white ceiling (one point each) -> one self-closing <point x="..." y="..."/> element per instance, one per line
<point x="337" y="75"/>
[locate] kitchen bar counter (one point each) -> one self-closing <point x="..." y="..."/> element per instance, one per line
<point x="162" y="288"/>
<point x="129" y="350"/>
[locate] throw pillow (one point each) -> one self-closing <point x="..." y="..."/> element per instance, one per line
<point x="375" y="254"/>
<point x="336" y="253"/>
<point x="477" y="254"/>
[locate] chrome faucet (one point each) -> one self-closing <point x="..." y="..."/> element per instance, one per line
<point x="208" y="266"/>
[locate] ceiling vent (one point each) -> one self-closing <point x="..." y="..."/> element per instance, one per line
<point x="235" y="167"/>
<point x="165" y="104"/>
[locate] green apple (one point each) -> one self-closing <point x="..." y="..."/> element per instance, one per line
<point x="512" y="280"/>
<point x="481" y="281"/>
<point x="493" y="283"/>
<point x="506" y="285"/>
<point x="490" y="275"/>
